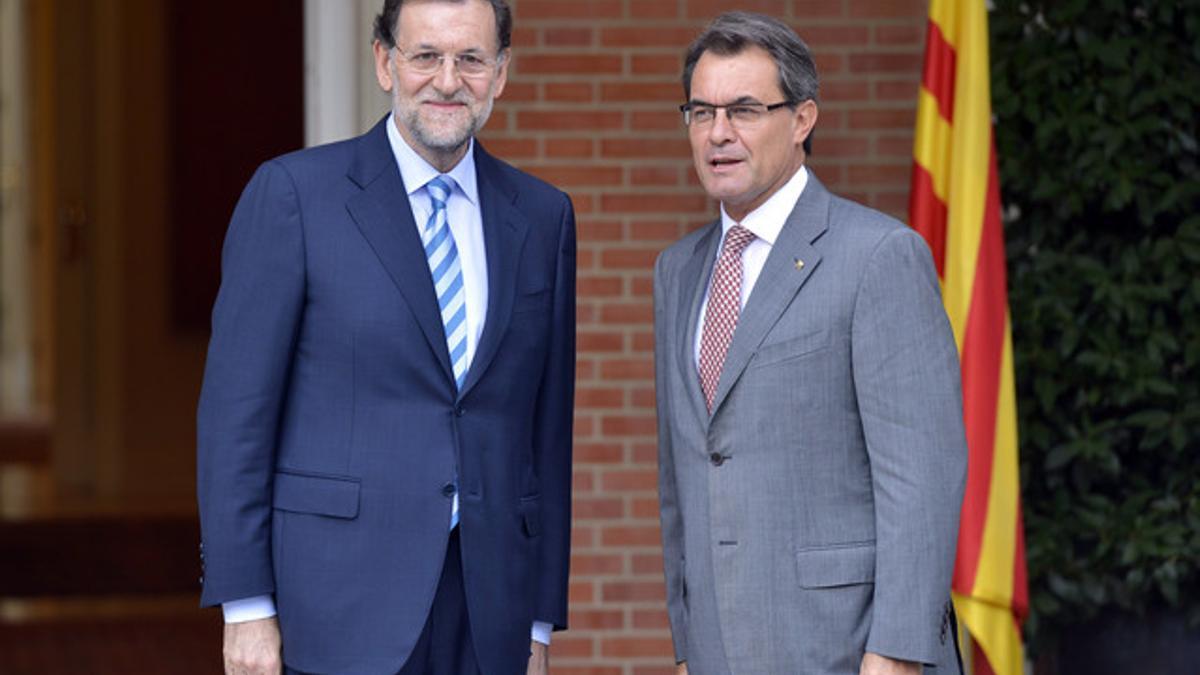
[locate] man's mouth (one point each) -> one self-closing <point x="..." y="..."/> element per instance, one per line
<point x="723" y="163"/>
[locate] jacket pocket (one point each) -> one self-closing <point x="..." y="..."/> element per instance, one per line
<point x="839" y="565"/>
<point x="537" y="301"/>
<point x="321" y="495"/>
<point x="530" y="509"/>
<point x="794" y="348"/>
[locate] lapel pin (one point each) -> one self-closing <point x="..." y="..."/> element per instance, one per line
<point x="799" y="264"/>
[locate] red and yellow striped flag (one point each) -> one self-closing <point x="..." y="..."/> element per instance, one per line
<point x="955" y="205"/>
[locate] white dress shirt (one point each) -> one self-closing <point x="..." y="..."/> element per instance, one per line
<point x="466" y="225"/>
<point x="765" y="222"/>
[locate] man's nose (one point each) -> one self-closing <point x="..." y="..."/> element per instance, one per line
<point x="721" y="131"/>
<point x="447" y="80"/>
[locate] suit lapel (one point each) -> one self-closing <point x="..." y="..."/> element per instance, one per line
<point x="781" y="278"/>
<point x="383" y="215"/>
<point x="694" y="276"/>
<point x="504" y="231"/>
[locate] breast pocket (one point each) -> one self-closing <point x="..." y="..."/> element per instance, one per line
<point x="775" y="353"/>
<point x="537" y="301"/>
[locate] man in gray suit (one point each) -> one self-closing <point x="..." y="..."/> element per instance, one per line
<point x="811" y="449"/>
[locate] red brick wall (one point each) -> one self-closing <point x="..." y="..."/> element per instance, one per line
<point x="591" y="106"/>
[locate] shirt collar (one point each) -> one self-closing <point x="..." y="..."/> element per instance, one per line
<point x="769" y="218"/>
<point x="416" y="172"/>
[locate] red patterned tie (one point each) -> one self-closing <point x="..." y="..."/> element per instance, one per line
<point x="724" y="306"/>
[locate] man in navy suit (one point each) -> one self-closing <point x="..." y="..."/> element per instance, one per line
<point x="385" y="425"/>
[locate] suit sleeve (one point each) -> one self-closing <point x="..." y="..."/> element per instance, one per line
<point x="906" y="377"/>
<point x="552" y="433"/>
<point x="255" y="323"/>
<point x="671" y="518"/>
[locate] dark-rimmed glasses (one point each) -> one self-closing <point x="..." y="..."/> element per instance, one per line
<point x="743" y="114"/>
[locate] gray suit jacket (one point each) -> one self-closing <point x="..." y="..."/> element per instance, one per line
<point x="813" y="515"/>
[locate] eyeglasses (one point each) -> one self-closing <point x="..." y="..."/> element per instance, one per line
<point x="742" y="115"/>
<point x="430" y="62"/>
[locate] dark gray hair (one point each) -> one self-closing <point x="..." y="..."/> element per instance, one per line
<point x="732" y="32"/>
<point x="386" y="20"/>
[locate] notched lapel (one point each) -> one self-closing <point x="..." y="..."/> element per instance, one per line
<point x="504" y="232"/>
<point x="779" y="281"/>
<point x="692" y="282"/>
<point x="383" y="215"/>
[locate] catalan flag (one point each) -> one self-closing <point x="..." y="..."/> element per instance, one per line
<point x="955" y="205"/>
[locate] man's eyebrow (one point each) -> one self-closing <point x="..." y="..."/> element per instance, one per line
<point x="741" y="100"/>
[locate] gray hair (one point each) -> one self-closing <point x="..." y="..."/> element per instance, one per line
<point x="732" y="32"/>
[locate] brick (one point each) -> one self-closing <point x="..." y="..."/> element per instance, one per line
<point x="592" y="230"/>
<point x="567" y="646"/>
<point x="653" y="203"/>
<point x="583" y="537"/>
<point x="644" y="398"/>
<point x="894" y="146"/>
<point x="875" y="173"/>
<point x="569" y="120"/>
<point x="907" y="35"/>
<point x="584" y="368"/>
<point x="577" y="64"/>
<point x="874" y="9"/>
<point x="574" y="9"/>
<point x="627" y="369"/>
<point x="639" y="91"/>
<point x="564" y="36"/>
<point x="884" y="118"/>
<point x="628" y="258"/>
<point x="644" y="508"/>
<point x="654" y="9"/>
<point x="643" y="341"/>
<point x="595" y="619"/>
<point x="628" y="537"/>
<point x="519" y="92"/>
<point x="644" y="619"/>
<point x="560" y="669"/>
<point x="511" y="148"/>
<point x="709" y="9"/>
<point x="841" y="145"/>
<point x="845" y="90"/>
<point x="886" y="62"/>
<point x="633" y="591"/>
<point x="657" y="64"/>
<point x="658" y="36"/>
<point x="828" y="63"/>
<point x="598" y="452"/>
<point x="595" y="341"/>
<point x="655" y="230"/>
<point x="593" y="508"/>
<point x="657" y="120"/>
<point x="580" y="592"/>
<point x="523" y="36"/>
<point x="585" y="425"/>
<point x="653" y="148"/>
<point x="812" y="9"/>
<point x="589" y="286"/>
<point x="633" y="480"/>
<point x="647" y="176"/>
<point x="569" y="147"/>
<point x="824" y="37"/>
<point x="897" y="90"/>
<point x="569" y="92"/>
<point x="653" y="670"/>
<point x="638" y="313"/>
<point x="648" y="563"/>
<point x="645" y="453"/>
<point x="642" y="287"/>
<point x="581" y="481"/>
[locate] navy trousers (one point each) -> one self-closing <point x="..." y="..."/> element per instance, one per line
<point x="444" y="647"/>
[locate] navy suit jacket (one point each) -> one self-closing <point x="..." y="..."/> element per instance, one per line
<point x="330" y="431"/>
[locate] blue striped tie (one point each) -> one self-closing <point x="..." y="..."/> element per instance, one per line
<point x="448" y="284"/>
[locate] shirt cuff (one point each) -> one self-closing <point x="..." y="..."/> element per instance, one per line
<point x="541" y="632"/>
<point x="249" y="609"/>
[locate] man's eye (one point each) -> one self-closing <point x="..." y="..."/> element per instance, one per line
<point x="702" y="114"/>
<point x="470" y="60"/>
<point x="743" y="112"/>
<point x="426" y="58"/>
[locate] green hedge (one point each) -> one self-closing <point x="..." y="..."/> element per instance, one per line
<point x="1096" y="109"/>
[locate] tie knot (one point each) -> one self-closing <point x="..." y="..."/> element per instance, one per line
<point x="439" y="190"/>
<point x="737" y="239"/>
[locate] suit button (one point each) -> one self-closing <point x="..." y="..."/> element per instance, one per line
<point x="460" y="411"/>
<point x="448" y="490"/>
<point x="717" y="459"/>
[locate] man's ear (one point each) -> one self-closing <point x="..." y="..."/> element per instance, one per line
<point x="502" y="74"/>
<point x="383" y="74"/>
<point x="806" y="118"/>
